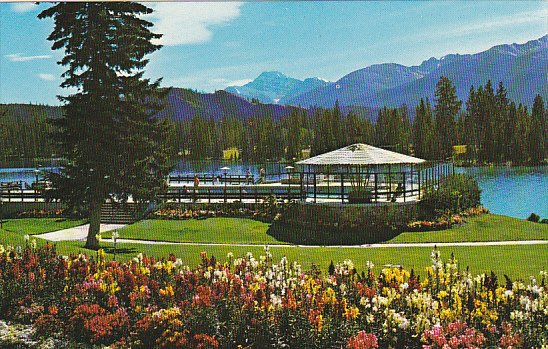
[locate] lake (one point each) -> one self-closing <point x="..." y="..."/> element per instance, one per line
<point x="511" y="191"/>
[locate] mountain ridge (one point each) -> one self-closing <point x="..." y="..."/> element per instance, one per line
<point x="273" y="86"/>
<point x="522" y="68"/>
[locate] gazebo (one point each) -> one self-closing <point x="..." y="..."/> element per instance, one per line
<point x="361" y="173"/>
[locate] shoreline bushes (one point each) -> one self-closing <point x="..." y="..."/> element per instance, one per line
<point x="455" y="194"/>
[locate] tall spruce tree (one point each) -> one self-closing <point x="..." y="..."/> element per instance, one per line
<point x="488" y="112"/>
<point x="537" y="132"/>
<point x="445" y="111"/>
<point x="503" y="123"/>
<point x="113" y="144"/>
<point x="423" y="131"/>
<point x="520" y="154"/>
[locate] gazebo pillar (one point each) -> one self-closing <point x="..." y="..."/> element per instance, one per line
<point x="376" y="186"/>
<point x="389" y="183"/>
<point x="315" y="187"/>
<point x="419" y="178"/>
<point x="328" y="180"/>
<point x="404" y="188"/>
<point x="342" y="187"/>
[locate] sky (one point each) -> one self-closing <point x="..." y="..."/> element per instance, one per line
<point x="209" y="46"/>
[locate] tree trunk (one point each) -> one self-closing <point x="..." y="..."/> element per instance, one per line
<point x="94" y="224"/>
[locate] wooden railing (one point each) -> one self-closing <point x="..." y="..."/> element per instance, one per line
<point x="230" y="179"/>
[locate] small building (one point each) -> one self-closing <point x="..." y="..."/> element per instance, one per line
<point x="361" y="173"/>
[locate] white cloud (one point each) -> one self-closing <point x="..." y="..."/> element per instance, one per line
<point x="190" y="23"/>
<point x="486" y="26"/>
<point x="238" y="82"/>
<point x="47" y="77"/>
<point x="17" y="57"/>
<point x="499" y="22"/>
<point x="21" y="7"/>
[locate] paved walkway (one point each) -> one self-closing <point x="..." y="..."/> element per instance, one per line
<point x="399" y="245"/>
<point x="76" y="233"/>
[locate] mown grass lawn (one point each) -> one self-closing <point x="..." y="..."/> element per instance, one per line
<point x="213" y="230"/>
<point x="32" y="226"/>
<point x="240" y="230"/>
<point x="487" y="227"/>
<point x="13" y="230"/>
<point x="515" y="261"/>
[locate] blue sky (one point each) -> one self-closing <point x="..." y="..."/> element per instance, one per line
<point x="209" y="46"/>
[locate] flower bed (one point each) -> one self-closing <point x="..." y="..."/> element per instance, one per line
<point x="270" y="210"/>
<point x="253" y="302"/>
<point x="43" y="213"/>
<point x="446" y="221"/>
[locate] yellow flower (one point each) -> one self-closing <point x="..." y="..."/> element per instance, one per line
<point x="320" y="322"/>
<point x="352" y="313"/>
<point x="329" y="296"/>
<point x="167" y="291"/>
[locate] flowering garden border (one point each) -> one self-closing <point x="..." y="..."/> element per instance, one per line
<point x="249" y="302"/>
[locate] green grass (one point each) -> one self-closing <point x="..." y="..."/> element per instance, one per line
<point x="213" y="230"/>
<point x="13" y="230"/>
<point x="518" y="262"/>
<point x="487" y="227"/>
<point x="515" y="261"/>
<point x="240" y="230"/>
<point x="32" y="226"/>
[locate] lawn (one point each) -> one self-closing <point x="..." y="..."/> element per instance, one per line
<point x="13" y="230"/>
<point x="514" y="261"/>
<point x="32" y="226"/>
<point x="213" y="230"/>
<point x="240" y="230"/>
<point x="487" y="227"/>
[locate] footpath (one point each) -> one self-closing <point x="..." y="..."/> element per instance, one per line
<point x="79" y="233"/>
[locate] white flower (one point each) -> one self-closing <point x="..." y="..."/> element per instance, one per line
<point x="27" y="237"/>
<point x="33" y="244"/>
<point x="276" y="301"/>
<point x="115" y="236"/>
<point x="369" y="265"/>
<point x="230" y="255"/>
<point x="178" y="263"/>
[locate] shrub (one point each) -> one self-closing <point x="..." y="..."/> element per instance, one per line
<point x="455" y="194"/>
<point x="533" y="218"/>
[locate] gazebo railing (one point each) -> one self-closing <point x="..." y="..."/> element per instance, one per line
<point x="382" y="185"/>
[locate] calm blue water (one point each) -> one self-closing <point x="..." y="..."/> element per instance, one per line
<point x="511" y="191"/>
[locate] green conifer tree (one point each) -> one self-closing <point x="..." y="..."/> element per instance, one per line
<point x="113" y="144"/>
<point x="445" y="111"/>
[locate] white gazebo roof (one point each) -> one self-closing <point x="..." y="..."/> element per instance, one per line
<point x="360" y="154"/>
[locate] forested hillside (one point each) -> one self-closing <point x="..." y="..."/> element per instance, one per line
<point x="491" y="127"/>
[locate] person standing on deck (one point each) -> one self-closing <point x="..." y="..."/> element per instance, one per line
<point x="247" y="177"/>
<point x="196" y="185"/>
<point x="262" y="176"/>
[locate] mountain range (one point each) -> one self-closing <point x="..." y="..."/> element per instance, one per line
<point x="523" y="69"/>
